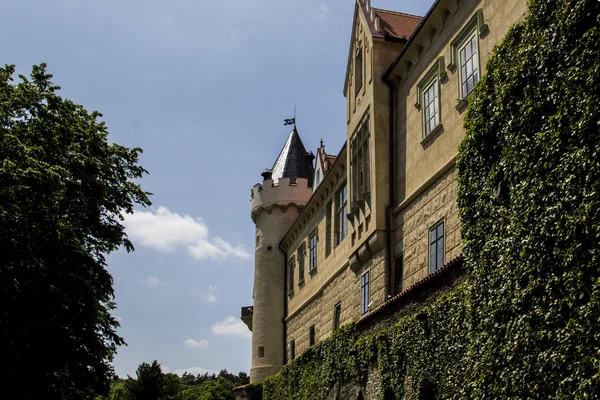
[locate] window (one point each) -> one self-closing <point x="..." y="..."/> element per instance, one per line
<point x="428" y="97"/>
<point x="291" y="268"/>
<point x="358" y="68"/>
<point x="301" y="251"/>
<point x="292" y="349"/>
<point x="341" y="213"/>
<point x="311" y="335"/>
<point x="436" y="247"/>
<point x="431" y="112"/>
<point x="398" y="272"/>
<point x="261" y="351"/>
<point x="337" y="316"/>
<point x="469" y="66"/>
<point x="465" y="55"/>
<point x="360" y="165"/>
<point x="312" y="243"/>
<point x="364" y="293"/>
<point x="328" y="230"/>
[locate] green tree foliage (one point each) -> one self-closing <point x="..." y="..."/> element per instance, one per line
<point x="152" y="384"/>
<point x="524" y="324"/>
<point x="63" y="189"/>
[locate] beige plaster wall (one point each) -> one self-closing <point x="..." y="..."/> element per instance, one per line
<point x="426" y="189"/>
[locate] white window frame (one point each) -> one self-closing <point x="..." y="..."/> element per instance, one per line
<point x="464" y="75"/>
<point x="474" y="28"/>
<point x="433" y="78"/>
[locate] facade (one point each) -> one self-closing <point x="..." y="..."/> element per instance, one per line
<point x="340" y="241"/>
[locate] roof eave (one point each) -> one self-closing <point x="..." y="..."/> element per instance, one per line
<point x="410" y="40"/>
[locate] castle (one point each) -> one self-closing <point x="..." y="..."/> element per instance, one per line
<point x="341" y="238"/>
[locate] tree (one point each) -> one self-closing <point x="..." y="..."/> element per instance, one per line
<point x="152" y="383"/>
<point x="63" y="192"/>
<point x="218" y="389"/>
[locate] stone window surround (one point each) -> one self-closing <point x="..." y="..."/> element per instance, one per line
<point x="475" y="26"/>
<point x="436" y="76"/>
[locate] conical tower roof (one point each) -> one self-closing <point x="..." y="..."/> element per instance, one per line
<point x="294" y="161"/>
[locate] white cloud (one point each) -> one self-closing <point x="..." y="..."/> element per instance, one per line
<point x="323" y="12"/>
<point x="152" y="281"/>
<point x="165" y="231"/>
<point x="231" y="326"/>
<point x="211" y="298"/>
<point x="194" y="371"/>
<point x="202" y="344"/>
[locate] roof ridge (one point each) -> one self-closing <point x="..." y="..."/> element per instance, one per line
<point x="398" y="13"/>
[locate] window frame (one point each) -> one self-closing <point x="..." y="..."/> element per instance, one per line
<point x="365" y="289"/>
<point x="475" y="75"/>
<point x="312" y="251"/>
<point x="476" y="26"/>
<point x="430" y="242"/>
<point x="341" y="214"/>
<point x="434" y="77"/>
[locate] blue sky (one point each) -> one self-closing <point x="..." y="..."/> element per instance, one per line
<point x="203" y="87"/>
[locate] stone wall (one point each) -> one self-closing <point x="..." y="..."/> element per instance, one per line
<point x="343" y="288"/>
<point x="438" y="202"/>
<point x="425" y="181"/>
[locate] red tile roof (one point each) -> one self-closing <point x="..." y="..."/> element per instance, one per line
<point x="454" y="263"/>
<point x="397" y="24"/>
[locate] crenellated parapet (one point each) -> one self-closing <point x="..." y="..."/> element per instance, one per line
<point x="285" y="193"/>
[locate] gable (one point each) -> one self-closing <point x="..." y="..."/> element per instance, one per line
<point x="371" y="24"/>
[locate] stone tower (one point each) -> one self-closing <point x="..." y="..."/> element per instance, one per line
<point x="275" y="205"/>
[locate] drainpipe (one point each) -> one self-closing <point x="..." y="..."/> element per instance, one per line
<point x="388" y="209"/>
<point x="285" y="301"/>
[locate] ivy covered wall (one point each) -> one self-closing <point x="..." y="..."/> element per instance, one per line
<point x="525" y="324"/>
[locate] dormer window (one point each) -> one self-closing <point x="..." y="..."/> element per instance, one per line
<point x="358" y="68"/>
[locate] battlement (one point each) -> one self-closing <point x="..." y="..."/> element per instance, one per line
<point x="265" y="196"/>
